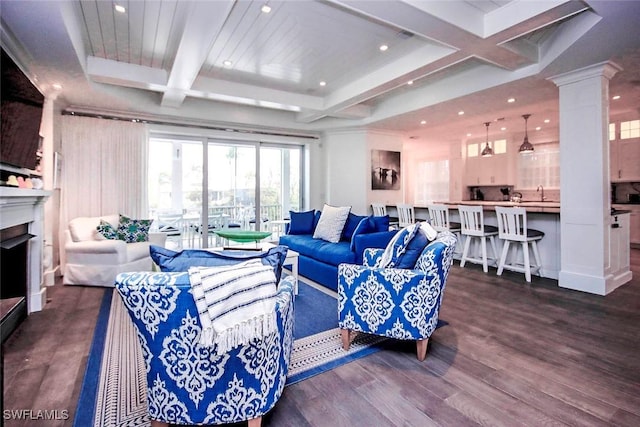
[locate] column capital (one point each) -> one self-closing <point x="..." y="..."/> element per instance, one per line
<point x="606" y="69"/>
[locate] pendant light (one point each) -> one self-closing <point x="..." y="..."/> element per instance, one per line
<point x="487" y="151"/>
<point x="526" y="146"/>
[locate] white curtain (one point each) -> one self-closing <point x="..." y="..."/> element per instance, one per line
<point x="104" y="169"/>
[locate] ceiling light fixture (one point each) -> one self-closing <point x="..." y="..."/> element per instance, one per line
<point x="423" y="122"/>
<point x="120" y="8"/>
<point x="227" y="63"/>
<point x="57" y="86"/>
<point x="461" y="113"/>
<point x="526" y="146"/>
<point x="503" y="128"/>
<point x="383" y="47"/>
<point x="547" y="120"/>
<point x="265" y="8"/>
<point x="511" y="100"/>
<point x="616" y="97"/>
<point x="323" y="83"/>
<point x="487" y="151"/>
<point x="410" y="82"/>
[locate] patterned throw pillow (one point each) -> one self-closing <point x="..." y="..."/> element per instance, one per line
<point x="106" y="230"/>
<point x="395" y="250"/>
<point x="134" y="230"/>
<point x="331" y="223"/>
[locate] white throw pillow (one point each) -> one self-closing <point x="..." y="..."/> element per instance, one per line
<point x="331" y="223"/>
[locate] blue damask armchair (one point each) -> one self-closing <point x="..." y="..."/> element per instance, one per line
<point x="394" y="302"/>
<point x="191" y="384"/>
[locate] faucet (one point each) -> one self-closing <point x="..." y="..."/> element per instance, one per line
<point x="541" y="188"/>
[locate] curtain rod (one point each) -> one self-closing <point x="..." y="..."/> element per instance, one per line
<point x="171" y="123"/>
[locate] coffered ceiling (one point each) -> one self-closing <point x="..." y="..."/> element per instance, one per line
<point x="232" y="62"/>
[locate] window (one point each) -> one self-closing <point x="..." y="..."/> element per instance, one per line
<point x="432" y="183"/>
<point x="541" y="167"/>
<point x="178" y="174"/>
<point x="630" y="129"/>
<point x="499" y="147"/>
<point x="612" y="131"/>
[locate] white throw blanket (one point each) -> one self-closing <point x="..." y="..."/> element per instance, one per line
<point x="235" y="303"/>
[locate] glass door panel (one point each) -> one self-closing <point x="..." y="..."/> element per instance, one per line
<point x="232" y="184"/>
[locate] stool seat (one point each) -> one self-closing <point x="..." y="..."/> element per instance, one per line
<point x="475" y="230"/>
<point x="512" y="228"/>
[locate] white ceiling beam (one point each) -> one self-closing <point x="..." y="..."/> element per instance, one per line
<point x="202" y="26"/>
<point x="205" y="87"/>
<point x="124" y="74"/>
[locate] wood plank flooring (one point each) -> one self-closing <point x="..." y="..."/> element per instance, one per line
<point x="512" y="354"/>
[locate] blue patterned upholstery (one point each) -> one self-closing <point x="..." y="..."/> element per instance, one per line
<point x="396" y="303"/>
<point x="191" y="384"/>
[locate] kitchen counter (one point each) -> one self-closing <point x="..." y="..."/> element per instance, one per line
<point x="530" y="206"/>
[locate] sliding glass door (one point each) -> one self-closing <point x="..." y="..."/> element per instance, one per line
<point x="224" y="190"/>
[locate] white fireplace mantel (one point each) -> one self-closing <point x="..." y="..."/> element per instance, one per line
<point x="25" y="206"/>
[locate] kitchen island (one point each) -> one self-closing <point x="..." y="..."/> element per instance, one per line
<point x="543" y="216"/>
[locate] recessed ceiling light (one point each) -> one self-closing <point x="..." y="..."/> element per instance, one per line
<point x="120" y="8"/>
<point x="56" y="86"/>
<point x="511" y="100"/>
<point x="547" y="120"/>
<point x="423" y="122"/>
<point x="538" y="128"/>
<point x="461" y="113"/>
<point x="410" y="82"/>
<point x="323" y="83"/>
<point x="469" y="134"/>
<point x="265" y="8"/>
<point x="503" y="128"/>
<point x="227" y="63"/>
<point x="616" y="97"/>
<point x="383" y="47"/>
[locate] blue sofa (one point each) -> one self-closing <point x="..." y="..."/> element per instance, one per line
<point x="319" y="259"/>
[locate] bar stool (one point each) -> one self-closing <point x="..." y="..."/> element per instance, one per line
<point x="512" y="227"/>
<point x="473" y="227"/>
<point x="439" y="215"/>
<point x="406" y="215"/>
<point x="380" y="209"/>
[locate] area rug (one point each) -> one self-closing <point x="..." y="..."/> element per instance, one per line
<point x="114" y="388"/>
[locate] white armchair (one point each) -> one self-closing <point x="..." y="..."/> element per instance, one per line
<point x="94" y="260"/>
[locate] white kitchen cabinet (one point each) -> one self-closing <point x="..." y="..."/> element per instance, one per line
<point x="492" y="170"/>
<point x="625" y="160"/>
<point x="620" y="250"/>
<point x="634" y="221"/>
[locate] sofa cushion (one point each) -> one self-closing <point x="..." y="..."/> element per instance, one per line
<point x="331" y="223"/>
<point x="136" y="251"/>
<point x="83" y="228"/>
<point x="301" y="222"/>
<point x="133" y="230"/>
<point x="106" y="231"/>
<point x="350" y="225"/>
<point x="363" y="227"/>
<point x="171" y="261"/>
<point x="320" y="250"/>
<point x="379" y="223"/>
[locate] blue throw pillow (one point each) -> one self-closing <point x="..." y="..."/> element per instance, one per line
<point x="353" y="221"/>
<point x="379" y="223"/>
<point x="171" y="261"/>
<point x="363" y="227"/>
<point x="301" y="222"/>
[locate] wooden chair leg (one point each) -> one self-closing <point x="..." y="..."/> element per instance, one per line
<point x="255" y="422"/>
<point x="346" y="341"/>
<point x="421" y="348"/>
<point x="155" y="423"/>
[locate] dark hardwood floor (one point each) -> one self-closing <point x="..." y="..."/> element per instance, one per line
<point x="512" y="354"/>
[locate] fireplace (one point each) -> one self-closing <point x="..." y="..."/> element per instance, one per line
<point x="21" y="248"/>
<point x="14" y="242"/>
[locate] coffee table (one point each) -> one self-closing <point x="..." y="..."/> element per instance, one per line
<point x="243" y="236"/>
<point x="290" y="260"/>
